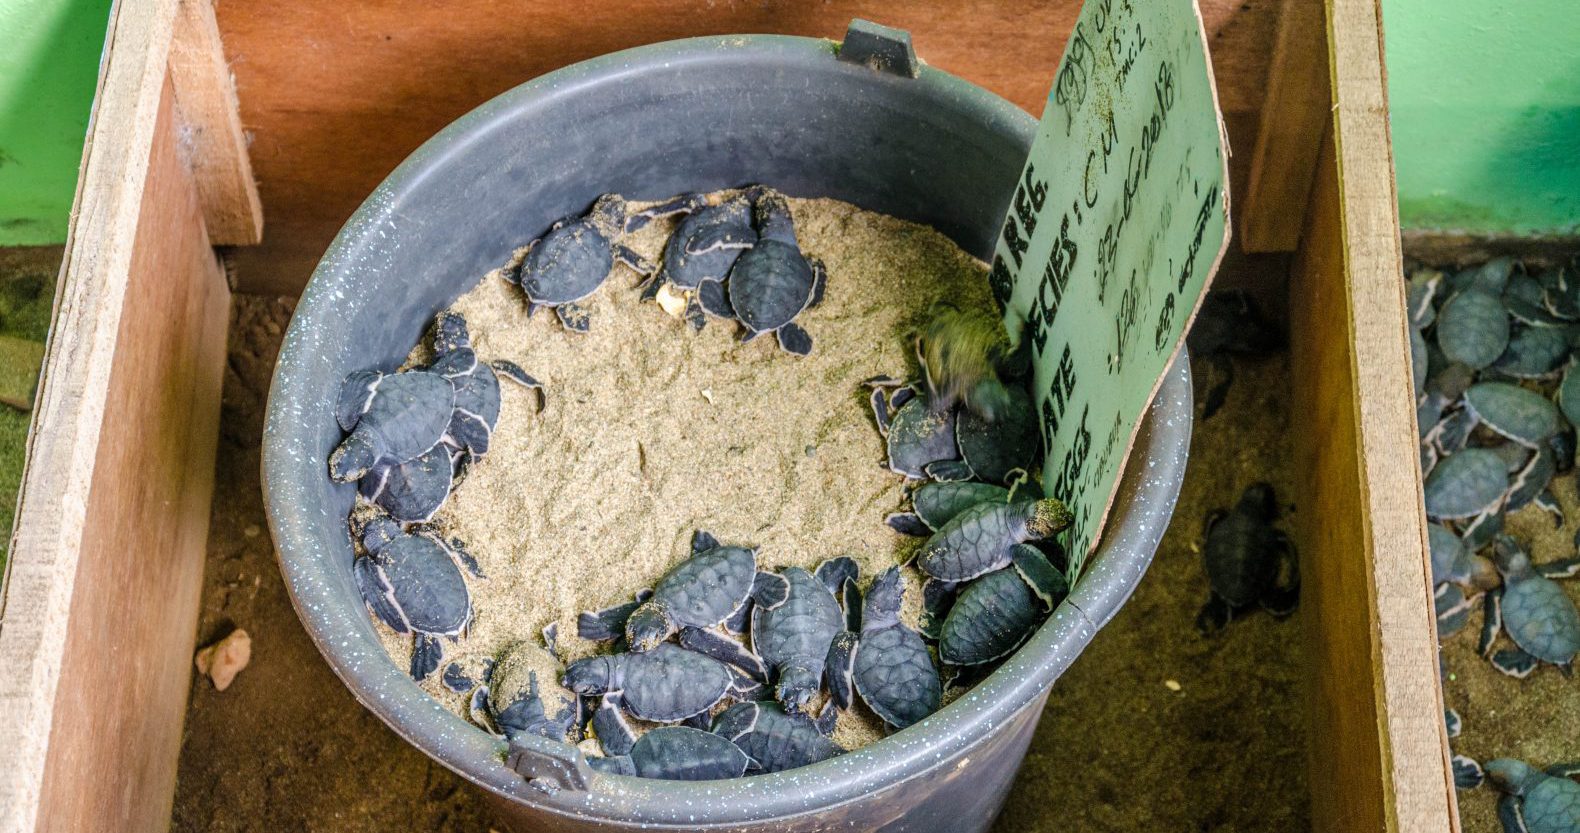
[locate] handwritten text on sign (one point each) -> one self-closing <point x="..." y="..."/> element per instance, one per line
<point x="1116" y="227"/>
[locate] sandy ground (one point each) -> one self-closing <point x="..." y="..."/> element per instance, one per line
<point x="287" y="748"/>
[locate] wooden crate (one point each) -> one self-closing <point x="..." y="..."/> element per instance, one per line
<point x="96" y="632"/>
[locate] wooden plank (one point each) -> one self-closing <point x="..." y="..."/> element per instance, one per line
<point x="337" y="94"/>
<point x="20" y="361"/>
<point x="106" y="560"/>
<point x="212" y="142"/>
<point x="1380" y="760"/>
<point x="1293" y="120"/>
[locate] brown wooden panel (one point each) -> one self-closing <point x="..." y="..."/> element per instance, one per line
<point x="336" y="94"/>
<point x="1379" y="752"/>
<point x="1293" y="120"/>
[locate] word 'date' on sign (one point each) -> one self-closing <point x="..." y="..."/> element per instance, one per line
<point x="1115" y="229"/>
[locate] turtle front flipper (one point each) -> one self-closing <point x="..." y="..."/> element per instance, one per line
<point x="1468" y="774"/>
<point x="725" y="650"/>
<point x="512" y="371"/>
<point x="378" y="594"/>
<point x="693" y="314"/>
<point x="355" y="456"/>
<point x="1047" y="583"/>
<point x="907" y="523"/>
<point x="1514" y="662"/>
<point x="739" y="621"/>
<point x="794" y="339"/>
<point x="683" y="204"/>
<point x="574" y="316"/>
<point x="1214" y="615"/>
<point x="769" y="590"/>
<point x="1453" y="609"/>
<point x="1562" y="568"/>
<point x="637" y="263"/>
<point x="938" y="597"/>
<point x="1491" y="621"/>
<point x="615" y="735"/>
<point x="653" y="285"/>
<point x="356" y="396"/>
<point x="605" y="625"/>
<point x="948" y="471"/>
<point x="1510" y="815"/>
<point x="1217" y="389"/>
<point x="834" y="572"/>
<point x="840" y="670"/>
<point x="426" y="652"/>
<point x="714" y="300"/>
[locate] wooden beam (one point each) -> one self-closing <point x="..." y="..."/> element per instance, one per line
<point x="106" y="561"/>
<point x="1294" y="118"/>
<point x="212" y="142"/>
<point x="1379" y="752"/>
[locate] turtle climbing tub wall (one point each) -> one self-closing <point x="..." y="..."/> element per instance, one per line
<point x="321" y="134"/>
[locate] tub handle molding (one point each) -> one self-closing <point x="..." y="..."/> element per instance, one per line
<point x="549" y="766"/>
<point x="879" y="47"/>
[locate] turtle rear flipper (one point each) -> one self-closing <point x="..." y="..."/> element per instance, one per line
<point x="840" y="670"/>
<point x="1214" y="615"/>
<point x="615" y="736"/>
<point x="1514" y="662"/>
<point x="1217" y="394"/>
<point x="1468" y="774"/>
<point x="907" y="523"/>
<point x="725" y="650"/>
<point x="694" y="314"/>
<point x="795" y="339"/>
<point x="1562" y="568"/>
<point x="378" y="594"/>
<point x="426" y="652"/>
<point x="356" y="395"/>
<point x="574" y="316"/>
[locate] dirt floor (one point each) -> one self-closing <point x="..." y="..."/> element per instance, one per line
<point x="286" y="748"/>
<point x="27" y="290"/>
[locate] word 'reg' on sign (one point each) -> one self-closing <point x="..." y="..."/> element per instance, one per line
<point x="1114" y="231"/>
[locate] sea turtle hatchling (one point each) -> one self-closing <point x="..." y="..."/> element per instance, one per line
<point x="516" y="699"/>
<point x="412" y="583"/>
<point x="982" y="539"/>
<point x="677" y="753"/>
<point x="775" y="740"/>
<point x="476" y="386"/>
<point x="1534" y="800"/>
<point x="701" y="592"/>
<point x="667" y="684"/>
<point x="795" y="618"/>
<point x="890" y="667"/>
<point x="935" y="504"/>
<point x="773" y="282"/>
<point x="1466" y="484"/>
<point x="1539" y="616"/>
<point x="701" y="251"/>
<point x="1248" y="561"/>
<point x="1521" y="415"/>
<point x="1473" y="328"/>
<point x="994" y="614"/>
<point x="920" y="439"/>
<point x="573" y="258"/>
<point x="411" y="492"/>
<point x="1010" y="442"/>
<point x="391" y="418"/>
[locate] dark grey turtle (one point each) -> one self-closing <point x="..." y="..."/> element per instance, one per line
<point x="935" y="504"/>
<point x="573" y="258"/>
<point x="892" y="670"/>
<point x="1491" y="277"/>
<point x="1534" y="353"/>
<point x="920" y="440"/>
<point x="982" y="539"/>
<point x="994" y="614"/>
<point x="773" y="282"/>
<point x="1248" y="560"/>
<point x="794" y="622"/>
<point x="1010" y="442"/>
<point x="1539" y="617"/>
<point x="1465" y="484"/>
<point x="392" y="418"/>
<point x="412" y="583"/>
<point x="517" y="701"/>
<point x="773" y="739"/>
<point x="1473" y="328"/>
<point x="1454" y="562"/>
<point x="411" y="492"/>
<point x="1526" y="301"/>
<point x="701" y="251"/>
<point x="677" y="753"/>
<point x="1524" y="416"/>
<point x="476" y="385"/>
<point x="1229" y="322"/>
<point x="1536" y="801"/>
<point x="700" y="592"/>
<point x="664" y="685"/>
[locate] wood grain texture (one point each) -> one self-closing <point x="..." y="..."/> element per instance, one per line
<point x="1379" y="754"/>
<point x="336" y="94"/>
<point x="97" y="627"/>
<point x="20" y="361"/>
<point x="211" y="139"/>
<point x="1293" y="120"/>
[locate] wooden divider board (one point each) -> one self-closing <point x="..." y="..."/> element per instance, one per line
<point x="1378" y="749"/>
<point x="100" y="605"/>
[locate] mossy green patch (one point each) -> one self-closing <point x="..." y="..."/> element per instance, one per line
<point x="27" y="282"/>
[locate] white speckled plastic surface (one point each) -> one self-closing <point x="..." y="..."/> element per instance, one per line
<point x="719" y="112"/>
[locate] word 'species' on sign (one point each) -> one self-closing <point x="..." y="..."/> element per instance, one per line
<point x="1116" y="227"/>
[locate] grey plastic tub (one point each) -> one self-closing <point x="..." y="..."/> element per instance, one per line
<point x="652" y="122"/>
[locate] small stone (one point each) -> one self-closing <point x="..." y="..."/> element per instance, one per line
<point x="1172" y="685"/>
<point x="707" y="393"/>
<point x="252" y="531"/>
<point x="223" y="660"/>
<point x="671" y="301"/>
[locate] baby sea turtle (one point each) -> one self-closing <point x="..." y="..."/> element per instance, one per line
<point x="773" y="739"/>
<point x="1466" y="484"/>
<point x="392" y="418"/>
<point x="1536" y="801"/>
<point x="794" y="622"/>
<point x="964" y="356"/>
<point x="891" y="669"/>
<point x="1452" y="561"/>
<point x="1521" y="415"/>
<point x="700" y="253"/>
<point x="517" y="701"/>
<point x="935" y="504"/>
<point x="1248" y="561"/>
<point x="1473" y="328"/>
<point x="982" y="539"/>
<point x="573" y="258"/>
<point x="700" y="592"/>
<point x="921" y="440"/>
<point x="998" y="447"/>
<point x="1228" y="322"/>
<point x="476" y="386"/>
<point x="411" y="492"/>
<point x="994" y="614"/>
<point x="772" y="282"/>
<point x="412" y="583"/>
<point x="1539" y="616"/>
<point x="664" y="685"/>
<point x="677" y="753"/>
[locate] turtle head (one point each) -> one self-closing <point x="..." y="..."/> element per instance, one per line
<point x="1510" y="558"/>
<point x="771" y="211"/>
<point x="959" y="353"/>
<point x="375" y="532"/>
<point x="797" y="684"/>
<point x="648" y="625"/>
<point x="450" y="333"/>
<point x="1049" y="517"/>
<point x="882" y="606"/>
<point x="1483" y="573"/>
<point x="353" y="458"/>
<point x="1259" y="501"/>
<point x="608" y="215"/>
<point x="593" y="675"/>
<point x="1510" y="775"/>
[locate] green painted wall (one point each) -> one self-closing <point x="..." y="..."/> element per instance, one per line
<point x="1485" y="100"/>
<point x="49" y="65"/>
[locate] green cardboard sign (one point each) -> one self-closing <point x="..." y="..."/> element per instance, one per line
<point x="1116" y="227"/>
